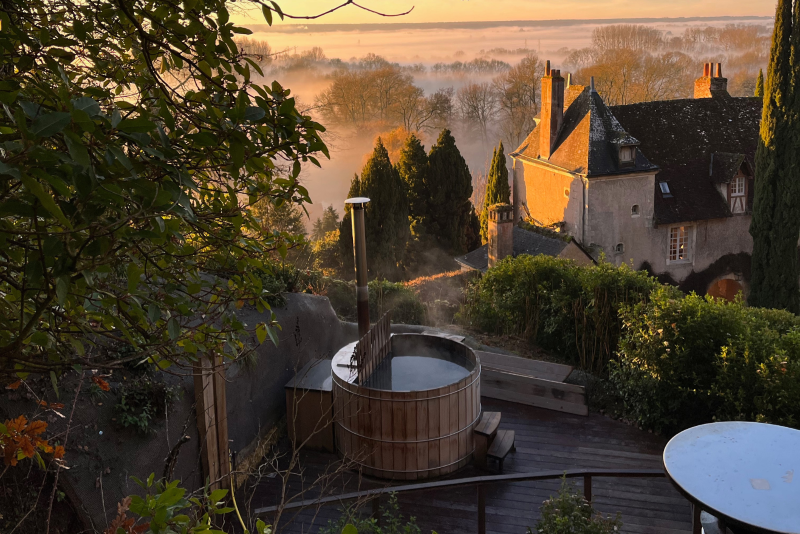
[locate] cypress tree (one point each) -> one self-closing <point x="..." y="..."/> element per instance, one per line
<point x="449" y="187"/>
<point x="760" y="84"/>
<point x="413" y="169"/>
<point x="776" y="218"/>
<point x="497" y="190"/>
<point x="386" y="215"/>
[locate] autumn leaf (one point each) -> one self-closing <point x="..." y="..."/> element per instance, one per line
<point x="15" y="385"/>
<point x="59" y="452"/>
<point x="102" y="384"/>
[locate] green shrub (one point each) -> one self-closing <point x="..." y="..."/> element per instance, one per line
<point x="141" y="402"/>
<point x="569" y="513"/>
<point x="557" y="304"/>
<point x="286" y="278"/>
<point x="392" y="522"/>
<point x="384" y="296"/>
<point x="691" y="360"/>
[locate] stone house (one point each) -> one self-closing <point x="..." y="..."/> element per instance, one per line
<point x="665" y="186"/>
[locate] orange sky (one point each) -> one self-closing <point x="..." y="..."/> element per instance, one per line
<point x="480" y="10"/>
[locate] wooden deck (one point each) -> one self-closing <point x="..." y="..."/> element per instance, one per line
<point x="545" y="440"/>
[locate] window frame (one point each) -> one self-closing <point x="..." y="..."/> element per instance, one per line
<point x="631" y="149"/>
<point x="636" y="211"/>
<point x="688" y="238"/>
<point x="738" y="179"/>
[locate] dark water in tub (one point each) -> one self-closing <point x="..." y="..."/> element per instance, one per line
<point x="415" y="373"/>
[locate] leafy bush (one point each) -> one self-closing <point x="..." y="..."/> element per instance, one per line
<point x="141" y="402"/>
<point x="384" y="296"/>
<point x="282" y="277"/>
<point x="392" y="522"/>
<point x="687" y="361"/>
<point x="557" y="304"/>
<point x="569" y="513"/>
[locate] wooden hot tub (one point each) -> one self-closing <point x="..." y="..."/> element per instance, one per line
<point x="412" y="417"/>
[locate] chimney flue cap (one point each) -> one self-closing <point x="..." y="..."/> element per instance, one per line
<point x="357" y="200"/>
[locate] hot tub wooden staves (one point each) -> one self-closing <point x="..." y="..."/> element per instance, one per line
<point x="407" y="435"/>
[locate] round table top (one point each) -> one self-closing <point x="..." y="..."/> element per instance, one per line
<point x="746" y="473"/>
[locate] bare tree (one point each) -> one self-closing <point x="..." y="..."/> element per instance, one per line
<point x="517" y="98"/>
<point x="477" y="103"/>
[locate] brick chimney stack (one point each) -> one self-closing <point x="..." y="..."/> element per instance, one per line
<point x="711" y="81"/>
<point x="552" y="110"/>
<point x="501" y="232"/>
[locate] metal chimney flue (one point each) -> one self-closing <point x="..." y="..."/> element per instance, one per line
<point x="358" y="204"/>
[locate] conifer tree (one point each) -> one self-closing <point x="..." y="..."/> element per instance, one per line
<point x="413" y="168"/>
<point x="385" y="217"/>
<point x="497" y="190"/>
<point x="776" y="218"/>
<point x="449" y="187"/>
<point x="760" y="84"/>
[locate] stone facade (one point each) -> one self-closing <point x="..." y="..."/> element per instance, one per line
<point x="664" y="186"/>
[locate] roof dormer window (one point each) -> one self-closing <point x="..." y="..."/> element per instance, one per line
<point x="627" y="154"/>
<point x="665" y="191"/>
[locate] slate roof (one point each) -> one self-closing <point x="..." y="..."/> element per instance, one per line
<point x="588" y="141"/>
<point x="525" y="242"/>
<point x="680" y="136"/>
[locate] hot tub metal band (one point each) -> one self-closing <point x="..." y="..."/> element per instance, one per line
<point x="381" y="440"/>
<point x="477" y="377"/>
<point x="464" y="459"/>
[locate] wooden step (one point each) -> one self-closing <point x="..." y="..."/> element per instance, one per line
<point x="524" y="366"/>
<point x="537" y="392"/>
<point x="488" y="424"/>
<point x="502" y="444"/>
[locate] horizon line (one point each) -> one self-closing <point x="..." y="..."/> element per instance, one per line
<point x="308" y="26"/>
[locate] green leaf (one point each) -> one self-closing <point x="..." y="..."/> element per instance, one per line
<point x="62" y="289"/>
<point x="267" y="14"/>
<point x="87" y="104"/>
<point x="153" y="313"/>
<point x="9" y="171"/>
<point x="261" y="332"/>
<point x="77" y="150"/>
<point x="273" y="336"/>
<point x="46" y="199"/>
<point x="237" y="154"/>
<point x="217" y="495"/>
<point x="254" y="113"/>
<point x="137" y="125"/>
<point x="54" y="382"/>
<point x="134" y="276"/>
<point x="349" y="529"/>
<point x="174" y="328"/>
<point x="50" y="124"/>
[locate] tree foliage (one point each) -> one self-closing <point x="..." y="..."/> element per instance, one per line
<point x="449" y="186"/>
<point x="759" y="92"/>
<point x="497" y="189"/>
<point x="775" y="226"/>
<point x="413" y="169"/>
<point x="132" y="141"/>
<point x="327" y="223"/>
<point x="385" y="217"/>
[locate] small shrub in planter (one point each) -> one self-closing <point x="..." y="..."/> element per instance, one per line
<point x="392" y="522"/>
<point x="569" y="513"/>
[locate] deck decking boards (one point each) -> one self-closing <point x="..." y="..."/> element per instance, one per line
<point x="545" y="440"/>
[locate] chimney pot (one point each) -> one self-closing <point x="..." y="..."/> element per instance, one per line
<point x="552" y="113"/>
<point x="591" y="84"/>
<point x="719" y="70"/>
<point x="706" y="70"/>
<point x="501" y="232"/>
<point x="547" y="68"/>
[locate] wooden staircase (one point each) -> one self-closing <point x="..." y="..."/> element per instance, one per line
<point x="491" y="442"/>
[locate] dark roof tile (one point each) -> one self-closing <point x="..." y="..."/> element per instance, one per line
<point x="525" y="242"/>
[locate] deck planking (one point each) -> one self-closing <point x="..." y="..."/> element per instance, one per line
<point x="545" y="440"/>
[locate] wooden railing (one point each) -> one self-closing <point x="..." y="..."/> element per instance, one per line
<point x="371" y="349"/>
<point x="481" y="483"/>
